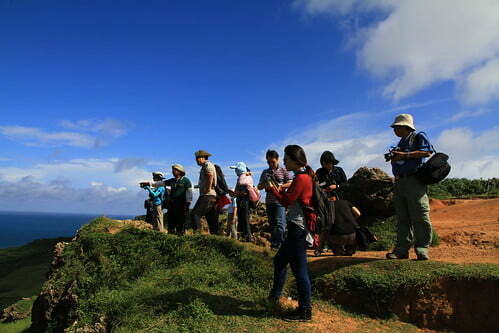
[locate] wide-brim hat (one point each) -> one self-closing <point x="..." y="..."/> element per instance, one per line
<point x="179" y="168"/>
<point x="202" y="153"/>
<point x="404" y="119"/>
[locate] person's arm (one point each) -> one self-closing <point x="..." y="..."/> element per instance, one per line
<point x="210" y="178"/>
<point x="261" y="185"/>
<point x="154" y="193"/>
<point x="400" y="155"/>
<point x="288" y="197"/>
<point x="355" y="212"/>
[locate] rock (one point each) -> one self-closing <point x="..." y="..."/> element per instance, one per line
<point x="12" y="313"/>
<point x="371" y="190"/>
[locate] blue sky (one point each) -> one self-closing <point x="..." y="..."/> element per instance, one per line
<point x="94" y="96"/>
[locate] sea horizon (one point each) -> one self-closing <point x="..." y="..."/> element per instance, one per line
<point x="20" y="228"/>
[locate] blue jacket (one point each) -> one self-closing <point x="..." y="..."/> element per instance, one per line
<point x="156" y="195"/>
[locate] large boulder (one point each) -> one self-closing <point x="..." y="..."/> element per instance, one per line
<point x="371" y="190"/>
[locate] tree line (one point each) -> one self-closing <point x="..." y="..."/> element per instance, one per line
<point x="463" y="187"/>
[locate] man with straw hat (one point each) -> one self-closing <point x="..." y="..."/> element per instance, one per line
<point x="179" y="200"/>
<point x="411" y="200"/>
<point x="206" y="203"/>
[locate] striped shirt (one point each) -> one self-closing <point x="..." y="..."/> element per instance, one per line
<point x="281" y="175"/>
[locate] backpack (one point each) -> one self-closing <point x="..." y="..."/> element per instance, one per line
<point x="221" y="187"/>
<point x="323" y="208"/>
<point x="435" y="169"/>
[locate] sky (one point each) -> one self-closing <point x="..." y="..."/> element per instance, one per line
<point x="96" y="95"/>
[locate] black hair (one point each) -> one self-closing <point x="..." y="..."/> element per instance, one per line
<point x="272" y="154"/>
<point x="328" y="157"/>
<point x="297" y="154"/>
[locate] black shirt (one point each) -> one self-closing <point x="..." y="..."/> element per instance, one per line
<point x="327" y="178"/>
<point x="344" y="222"/>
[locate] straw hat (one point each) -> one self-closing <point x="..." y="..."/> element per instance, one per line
<point x="404" y="119"/>
<point x="179" y="168"/>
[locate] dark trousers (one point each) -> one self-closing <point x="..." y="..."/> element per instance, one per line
<point x="177" y="212"/>
<point x="293" y="252"/>
<point x="276" y="214"/>
<point x="243" y="217"/>
<point x="206" y="206"/>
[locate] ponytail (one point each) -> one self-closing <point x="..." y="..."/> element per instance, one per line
<point x="309" y="171"/>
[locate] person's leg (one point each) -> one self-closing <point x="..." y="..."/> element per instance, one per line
<point x="299" y="266"/>
<point x="419" y="211"/>
<point x="280" y="223"/>
<point x="212" y="215"/>
<point x="404" y="227"/>
<point x="281" y="261"/>
<point x="158" y="212"/>
<point x="272" y="222"/>
<point x="199" y="210"/>
<point x="243" y="218"/>
<point x="170" y="219"/>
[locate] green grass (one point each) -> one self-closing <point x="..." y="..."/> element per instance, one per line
<point x="141" y="280"/>
<point x="23" y="269"/>
<point x="19" y="326"/>
<point x="386" y="232"/>
<point x="374" y="285"/>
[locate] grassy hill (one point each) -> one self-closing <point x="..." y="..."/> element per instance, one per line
<point x="125" y="278"/>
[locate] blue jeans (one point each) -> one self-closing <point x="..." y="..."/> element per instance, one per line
<point x="293" y="252"/>
<point x="277" y="220"/>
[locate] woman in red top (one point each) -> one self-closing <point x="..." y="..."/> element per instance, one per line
<point x="294" y="249"/>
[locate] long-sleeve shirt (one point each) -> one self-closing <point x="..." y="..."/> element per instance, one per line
<point x="156" y="195"/>
<point x="181" y="189"/>
<point x="295" y="198"/>
<point x="336" y="176"/>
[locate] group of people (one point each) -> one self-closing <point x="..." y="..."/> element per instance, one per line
<point x="290" y="206"/>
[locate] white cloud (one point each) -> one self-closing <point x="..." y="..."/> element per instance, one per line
<point x="469" y="114"/>
<point x="96" y="133"/>
<point x="421" y="42"/>
<point x="471" y="155"/>
<point x="37" y="137"/>
<point x="482" y="84"/>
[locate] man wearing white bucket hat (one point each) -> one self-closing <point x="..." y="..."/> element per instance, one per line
<point x="411" y="200"/>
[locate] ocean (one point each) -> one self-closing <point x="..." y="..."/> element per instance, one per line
<point x="20" y="228"/>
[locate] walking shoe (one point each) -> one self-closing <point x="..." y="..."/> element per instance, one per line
<point x="422" y="256"/>
<point x="393" y="255"/>
<point x="298" y="315"/>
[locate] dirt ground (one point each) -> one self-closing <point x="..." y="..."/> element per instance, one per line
<point x="468" y="230"/>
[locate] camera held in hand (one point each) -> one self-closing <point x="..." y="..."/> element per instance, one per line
<point x="144" y="184"/>
<point x="271" y="181"/>
<point x="390" y="154"/>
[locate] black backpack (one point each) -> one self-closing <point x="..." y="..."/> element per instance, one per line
<point x="435" y="169"/>
<point x="221" y="188"/>
<point x="324" y="209"/>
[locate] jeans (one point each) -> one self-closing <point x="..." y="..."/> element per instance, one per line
<point x="243" y="217"/>
<point x="412" y="209"/>
<point x="276" y="214"/>
<point x="293" y="252"/>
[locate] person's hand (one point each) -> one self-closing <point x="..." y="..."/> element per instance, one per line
<point x="399" y="155"/>
<point x="333" y="187"/>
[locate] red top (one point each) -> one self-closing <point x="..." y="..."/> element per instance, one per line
<point x="301" y="189"/>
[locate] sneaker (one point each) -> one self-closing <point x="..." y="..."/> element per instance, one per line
<point x="393" y="255"/>
<point x="298" y="315"/>
<point x="422" y="256"/>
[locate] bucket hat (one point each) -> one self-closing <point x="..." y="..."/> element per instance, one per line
<point x="404" y="119"/>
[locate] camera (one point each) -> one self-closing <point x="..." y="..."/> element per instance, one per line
<point x="144" y="184"/>
<point x="271" y="180"/>
<point x="390" y="154"/>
